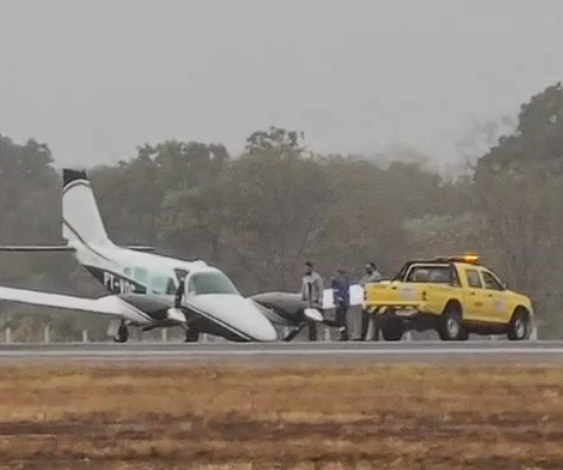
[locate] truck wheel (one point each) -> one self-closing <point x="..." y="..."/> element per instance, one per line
<point x="519" y="326"/>
<point x="451" y="328"/>
<point x="392" y="330"/>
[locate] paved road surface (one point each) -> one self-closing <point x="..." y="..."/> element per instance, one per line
<point x="541" y="352"/>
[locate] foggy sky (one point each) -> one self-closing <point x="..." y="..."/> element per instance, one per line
<point x="94" y="79"/>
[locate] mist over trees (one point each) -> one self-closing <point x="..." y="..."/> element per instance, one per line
<point x="259" y="215"/>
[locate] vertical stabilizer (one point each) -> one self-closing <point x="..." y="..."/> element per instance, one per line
<point x="82" y="221"/>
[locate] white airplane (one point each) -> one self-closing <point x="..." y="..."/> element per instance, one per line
<point x="143" y="285"/>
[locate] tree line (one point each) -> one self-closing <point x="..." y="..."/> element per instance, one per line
<point x="261" y="214"/>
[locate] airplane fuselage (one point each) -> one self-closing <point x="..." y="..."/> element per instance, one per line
<point x="143" y="286"/>
<point x="123" y="271"/>
<point x="148" y="283"/>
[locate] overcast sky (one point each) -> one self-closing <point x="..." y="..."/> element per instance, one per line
<point x="93" y="79"/>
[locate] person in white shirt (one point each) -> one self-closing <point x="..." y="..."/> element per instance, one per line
<point x="312" y="292"/>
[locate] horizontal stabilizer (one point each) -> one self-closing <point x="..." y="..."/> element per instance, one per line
<point x="37" y="248"/>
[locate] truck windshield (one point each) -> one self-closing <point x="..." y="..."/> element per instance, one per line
<point x="211" y="282"/>
<point x="431" y="274"/>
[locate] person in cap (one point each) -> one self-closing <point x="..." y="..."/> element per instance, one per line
<point x="371" y="275"/>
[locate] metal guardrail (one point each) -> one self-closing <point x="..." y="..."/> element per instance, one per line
<point x="6" y="337"/>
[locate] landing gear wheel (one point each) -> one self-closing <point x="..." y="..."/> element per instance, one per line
<point x="451" y="328"/>
<point x="519" y="326"/>
<point x="122" y="333"/>
<point x="293" y="333"/>
<point x="392" y="330"/>
<point x="192" y="336"/>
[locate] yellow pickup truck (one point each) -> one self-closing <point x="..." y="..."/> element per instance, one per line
<point x="455" y="296"/>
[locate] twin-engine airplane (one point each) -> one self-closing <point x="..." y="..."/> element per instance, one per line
<point x="143" y="285"/>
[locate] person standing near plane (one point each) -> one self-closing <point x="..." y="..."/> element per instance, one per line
<point x="371" y="275"/>
<point x="341" y="295"/>
<point x="180" y="291"/>
<point x="312" y="293"/>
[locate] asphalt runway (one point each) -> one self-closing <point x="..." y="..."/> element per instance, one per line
<point x="496" y="352"/>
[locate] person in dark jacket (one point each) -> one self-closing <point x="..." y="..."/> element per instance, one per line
<point x="341" y="296"/>
<point x="180" y="291"/>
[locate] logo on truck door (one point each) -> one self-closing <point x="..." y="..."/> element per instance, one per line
<point x="407" y="293"/>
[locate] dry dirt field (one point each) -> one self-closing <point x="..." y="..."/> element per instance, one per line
<point x="230" y="417"/>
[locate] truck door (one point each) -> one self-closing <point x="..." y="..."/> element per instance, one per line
<point x="495" y="303"/>
<point x="475" y="298"/>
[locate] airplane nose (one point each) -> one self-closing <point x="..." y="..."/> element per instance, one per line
<point x="238" y="314"/>
<point x="263" y="330"/>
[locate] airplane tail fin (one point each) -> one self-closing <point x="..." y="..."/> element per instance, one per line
<point x="82" y="221"/>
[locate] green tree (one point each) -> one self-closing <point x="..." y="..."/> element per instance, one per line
<point x="518" y="192"/>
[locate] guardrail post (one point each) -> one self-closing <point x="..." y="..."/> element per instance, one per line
<point x="164" y="335"/>
<point x="47" y="334"/>
<point x="534" y="333"/>
<point x="84" y="336"/>
<point x="8" y="335"/>
<point x="408" y="336"/>
<point x="326" y="334"/>
<point x="204" y="338"/>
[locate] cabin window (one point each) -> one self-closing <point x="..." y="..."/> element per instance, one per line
<point x="437" y="274"/>
<point x="171" y="287"/>
<point x="141" y="275"/>
<point x="159" y="285"/>
<point x="163" y="285"/>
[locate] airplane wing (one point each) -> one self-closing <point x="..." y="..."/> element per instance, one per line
<point x="282" y="308"/>
<point x="38" y="249"/>
<point x="63" y="248"/>
<point x="109" y="305"/>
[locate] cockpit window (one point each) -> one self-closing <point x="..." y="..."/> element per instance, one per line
<point x="212" y="282"/>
